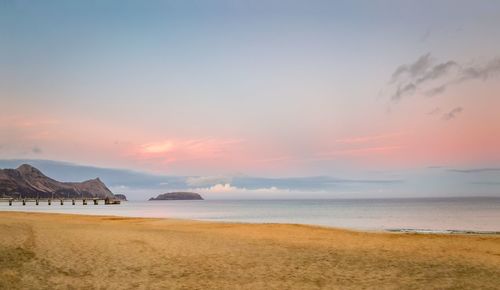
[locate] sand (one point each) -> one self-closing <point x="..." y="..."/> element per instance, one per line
<point x="55" y="251"/>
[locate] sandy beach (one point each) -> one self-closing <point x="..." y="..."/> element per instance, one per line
<point x="56" y="251"/>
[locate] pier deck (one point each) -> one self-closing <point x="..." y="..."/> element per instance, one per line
<point x="61" y="200"/>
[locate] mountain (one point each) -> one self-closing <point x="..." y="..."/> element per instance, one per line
<point x="27" y="181"/>
<point x="178" y="196"/>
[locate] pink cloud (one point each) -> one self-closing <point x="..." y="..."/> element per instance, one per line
<point x="362" y="151"/>
<point x="172" y="150"/>
<point x="158" y="147"/>
<point x="370" y="138"/>
<point x="26" y="122"/>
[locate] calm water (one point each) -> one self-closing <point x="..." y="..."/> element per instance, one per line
<point x="476" y="214"/>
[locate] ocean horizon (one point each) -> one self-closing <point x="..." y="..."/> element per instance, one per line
<point x="444" y="214"/>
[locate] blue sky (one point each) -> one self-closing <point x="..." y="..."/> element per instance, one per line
<point x="275" y="89"/>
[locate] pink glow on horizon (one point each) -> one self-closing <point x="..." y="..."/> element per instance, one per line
<point x="404" y="139"/>
<point x="420" y="148"/>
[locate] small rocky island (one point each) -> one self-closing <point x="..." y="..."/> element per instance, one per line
<point x="122" y="197"/>
<point x="178" y="196"/>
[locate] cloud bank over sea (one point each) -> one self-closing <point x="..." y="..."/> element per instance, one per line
<point x="432" y="181"/>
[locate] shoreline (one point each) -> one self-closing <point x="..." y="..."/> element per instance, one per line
<point x="61" y="251"/>
<point x="442" y="232"/>
<point x="384" y="230"/>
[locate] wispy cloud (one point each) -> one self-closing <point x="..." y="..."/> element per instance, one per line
<point x="483" y="72"/>
<point x="364" y="139"/>
<point x="453" y="113"/>
<point x="431" y="78"/>
<point x="228" y="188"/>
<point x="362" y="151"/>
<point x="412" y="70"/>
<point x="490" y="183"/>
<point x="362" y="146"/>
<point x="20" y="121"/>
<point x="36" y="150"/>
<point x="436" y="91"/>
<point x="476" y="170"/>
<point x="197" y="181"/>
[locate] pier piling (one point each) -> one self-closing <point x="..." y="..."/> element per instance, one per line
<point x="96" y="202"/>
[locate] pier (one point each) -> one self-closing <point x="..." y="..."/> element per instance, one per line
<point x="48" y="201"/>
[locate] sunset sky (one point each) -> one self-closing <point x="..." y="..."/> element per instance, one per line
<point x="274" y="89"/>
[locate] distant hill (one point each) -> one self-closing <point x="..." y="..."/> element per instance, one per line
<point x="178" y="196"/>
<point x="121" y="197"/>
<point x="27" y="181"/>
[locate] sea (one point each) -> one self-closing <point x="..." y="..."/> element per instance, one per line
<point x="431" y="215"/>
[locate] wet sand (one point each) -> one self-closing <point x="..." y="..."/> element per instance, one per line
<point x="56" y="251"/>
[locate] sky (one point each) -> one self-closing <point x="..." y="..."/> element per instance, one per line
<point x="261" y="97"/>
